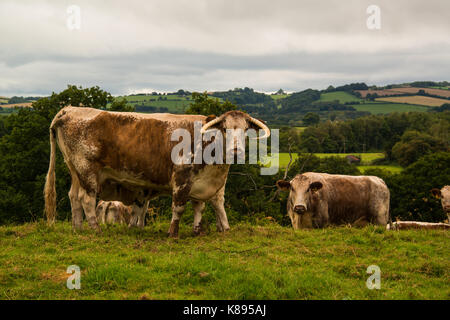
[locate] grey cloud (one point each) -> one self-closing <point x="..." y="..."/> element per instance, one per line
<point x="218" y="45"/>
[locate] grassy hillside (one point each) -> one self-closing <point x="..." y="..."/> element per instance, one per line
<point x="384" y="108"/>
<point x="174" y="103"/>
<point x="341" y="96"/>
<point x="417" y="100"/>
<point x="249" y="262"/>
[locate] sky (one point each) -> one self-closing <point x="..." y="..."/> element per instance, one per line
<point x="207" y="45"/>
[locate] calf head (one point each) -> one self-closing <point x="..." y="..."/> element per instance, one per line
<point x="235" y="124"/>
<point x="301" y="193"/>
<point x="444" y="195"/>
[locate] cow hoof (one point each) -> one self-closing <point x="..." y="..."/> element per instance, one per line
<point x="173" y="230"/>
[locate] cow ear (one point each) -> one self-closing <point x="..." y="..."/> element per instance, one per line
<point x="315" y="186"/>
<point x="210" y="118"/>
<point x="436" y="193"/>
<point x="283" y="184"/>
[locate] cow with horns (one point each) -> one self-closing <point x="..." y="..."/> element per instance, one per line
<point x="127" y="157"/>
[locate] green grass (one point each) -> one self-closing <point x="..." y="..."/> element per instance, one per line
<point x="384" y="108"/>
<point x="174" y="103"/>
<point x="390" y="168"/>
<point x="341" y="96"/>
<point x="278" y="96"/>
<point x="248" y="262"/>
<point x="366" y="158"/>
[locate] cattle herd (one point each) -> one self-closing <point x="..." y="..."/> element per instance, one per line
<point x="124" y="159"/>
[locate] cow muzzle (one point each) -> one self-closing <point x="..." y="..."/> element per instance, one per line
<point x="299" y="209"/>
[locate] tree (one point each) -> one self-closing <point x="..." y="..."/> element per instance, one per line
<point x="414" y="145"/>
<point x="24" y="154"/>
<point x="121" y="105"/>
<point x="208" y="106"/>
<point x="410" y="190"/>
<point x="311" y="119"/>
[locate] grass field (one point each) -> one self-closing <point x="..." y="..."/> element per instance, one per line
<point x="384" y="108"/>
<point x="390" y="168"/>
<point x="248" y="262"/>
<point x="278" y="96"/>
<point x="366" y="158"/>
<point x="341" y="96"/>
<point x="416" y="100"/>
<point x="174" y="103"/>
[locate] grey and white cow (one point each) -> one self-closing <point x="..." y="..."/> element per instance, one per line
<point x="444" y="195"/>
<point x="319" y="199"/>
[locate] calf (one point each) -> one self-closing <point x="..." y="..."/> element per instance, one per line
<point x="319" y="199"/>
<point x="113" y="212"/>
<point x="444" y="195"/>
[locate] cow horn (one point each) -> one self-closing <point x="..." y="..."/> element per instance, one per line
<point x="262" y="126"/>
<point x="210" y="124"/>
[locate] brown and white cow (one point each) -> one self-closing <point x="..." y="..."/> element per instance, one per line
<point x="444" y="195"/>
<point x="127" y="157"/>
<point x="319" y="199"/>
<point x="109" y="212"/>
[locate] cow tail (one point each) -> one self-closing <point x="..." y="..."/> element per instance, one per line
<point x="50" y="189"/>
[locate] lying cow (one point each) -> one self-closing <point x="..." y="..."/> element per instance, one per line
<point x="319" y="199"/>
<point x="444" y="195"/>
<point x="126" y="157"/>
<point x="113" y="212"/>
<point x="405" y="225"/>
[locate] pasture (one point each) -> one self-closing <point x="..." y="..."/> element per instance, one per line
<point x="416" y="100"/>
<point x="340" y="96"/>
<point x="366" y="158"/>
<point x="265" y="261"/>
<point x="385" y="108"/>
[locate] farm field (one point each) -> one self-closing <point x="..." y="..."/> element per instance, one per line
<point x="385" y="108"/>
<point x="384" y="92"/>
<point x="278" y="96"/>
<point x="174" y="103"/>
<point x="341" y="96"/>
<point x="433" y="91"/>
<point x="23" y="104"/>
<point x="366" y="158"/>
<point x="417" y="100"/>
<point x="248" y="262"/>
<point x="390" y="168"/>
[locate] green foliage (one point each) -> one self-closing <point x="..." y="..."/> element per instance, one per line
<point x="311" y="119"/>
<point x="410" y="190"/>
<point x="413" y="145"/>
<point x="376" y="133"/>
<point x="208" y="106"/>
<point x="120" y="105"/>
<point x="24" y="154"/>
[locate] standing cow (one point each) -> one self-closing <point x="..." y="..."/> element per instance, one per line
<point x="320" y="199"/>
<point x="444" y="195"/>
<point x="127" y="157"/>
<point x="113" y="212"/>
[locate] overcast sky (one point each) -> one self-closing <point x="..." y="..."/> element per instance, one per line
<point x="140" y="46"/>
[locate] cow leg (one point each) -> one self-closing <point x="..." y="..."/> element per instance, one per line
<point x="77" y="209"/>
<point x="138" y="214"/>
<point x="88" y="201"/>
<point x="221" y="216"/>
<point x="198" y="207"/>
<point x="177" y="212"/>
<point x="361" y="222"/>
<point x="141" y="220"/>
